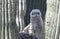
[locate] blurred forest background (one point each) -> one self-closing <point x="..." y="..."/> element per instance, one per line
<point x="14" y="16"/>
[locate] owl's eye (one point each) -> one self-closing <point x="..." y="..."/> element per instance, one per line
<point x="33" y="13"/>
<point x="37" y="13"/>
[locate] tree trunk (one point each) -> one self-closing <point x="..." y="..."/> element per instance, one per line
<point x="0" y="17"/>
<point x="22" y="11"/>
<point x="9" y="28"/>
<point x="52" y="20"/>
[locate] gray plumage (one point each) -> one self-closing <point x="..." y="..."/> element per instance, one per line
<point x="35" y="27"/>
<point x="36" y="22"/>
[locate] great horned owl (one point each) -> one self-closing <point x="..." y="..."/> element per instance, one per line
<point x="36" y="23"/>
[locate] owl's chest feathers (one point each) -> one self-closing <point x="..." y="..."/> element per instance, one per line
<point x="35" y="27"/>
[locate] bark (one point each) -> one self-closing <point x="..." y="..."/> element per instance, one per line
<point x="22" y="11"/>
<point x="52" y="20"/>
<point x="0" y="17"/>
<point x="9" y="28"/>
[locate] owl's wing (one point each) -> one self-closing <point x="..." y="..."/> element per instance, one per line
<point x="26" y="29"/>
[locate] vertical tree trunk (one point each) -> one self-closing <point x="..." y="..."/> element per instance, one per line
<point x="13" y="27"/>
<point x="22" y="11"/>
<point x="52" y="20"/>
<point x="3" y="21"/>
<point x="0" y="17"/>
<point x="9" y="28"/>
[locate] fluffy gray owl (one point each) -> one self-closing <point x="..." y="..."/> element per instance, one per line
<point x="36" y="23"/>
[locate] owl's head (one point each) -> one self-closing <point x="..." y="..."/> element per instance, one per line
<point x="35" y="13"/>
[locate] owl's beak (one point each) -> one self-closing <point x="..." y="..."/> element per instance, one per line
<point x="36" y="15"/>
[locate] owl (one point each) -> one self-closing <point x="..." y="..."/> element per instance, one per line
<point x="36" y="23"/>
